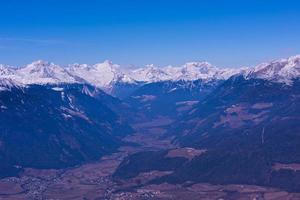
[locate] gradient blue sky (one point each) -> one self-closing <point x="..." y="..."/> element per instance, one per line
<point x="138" y="32"/>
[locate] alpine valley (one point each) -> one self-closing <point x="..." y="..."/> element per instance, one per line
<point x="194" y="131"/>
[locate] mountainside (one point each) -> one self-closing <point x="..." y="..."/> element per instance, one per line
<point x="249" y="131"/>
<point x="8" y="84"/>
<point x="56" y="126"/>
<point x="249" y="127"/>
<point x="6" y="70"/>
<point x="241" y="104"/>
<point x="168" y="98"/>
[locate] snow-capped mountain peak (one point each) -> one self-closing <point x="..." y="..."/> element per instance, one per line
<point x="202" y="66"/>
<point x="102" y="75"/>
<point x="150" y="73"/>
<point x="226" y="73"/>
<point x="107" y="65"/>
<point x="44" y="68"/>
<point x="282" y="70"/>
<point x="43" y="72"/>
<point x="197" y="70"/>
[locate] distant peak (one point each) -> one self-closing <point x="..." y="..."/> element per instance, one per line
<point x="40" y="62"/>
<point x="150" y="66"/>
<point x="198" y="64"/>
<point x="295" y="58"/>
<point x="77" y="65"/>
<point x="109" y="62"/>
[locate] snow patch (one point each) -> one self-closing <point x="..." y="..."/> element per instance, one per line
<point x="58" y="89"/>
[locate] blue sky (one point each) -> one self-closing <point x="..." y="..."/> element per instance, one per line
<point x="137" y="32"/>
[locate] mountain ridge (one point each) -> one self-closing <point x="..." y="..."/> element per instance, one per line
<point x="107" y="74"/>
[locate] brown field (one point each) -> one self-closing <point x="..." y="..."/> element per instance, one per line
<point x="291" y="166"/>
<point x="186" y="152"/>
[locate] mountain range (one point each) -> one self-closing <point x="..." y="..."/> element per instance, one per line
<point x="244" y="120"/>
<point x="106" y="75"/>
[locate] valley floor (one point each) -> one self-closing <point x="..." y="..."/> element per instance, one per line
<point x="94" y="180"/>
